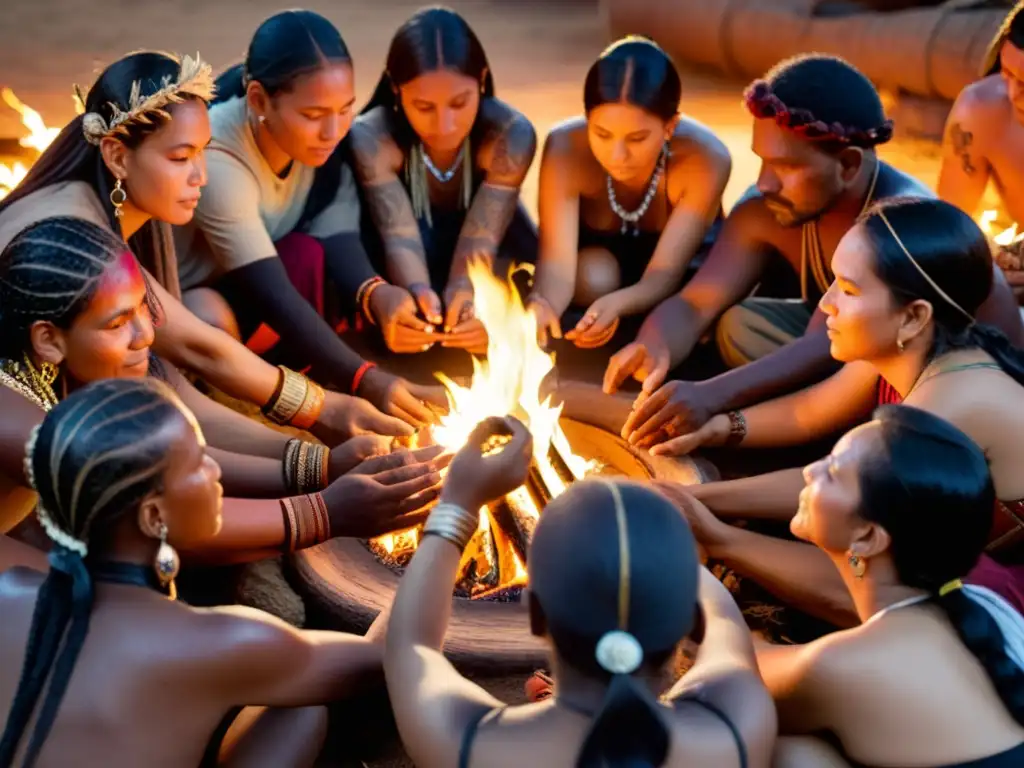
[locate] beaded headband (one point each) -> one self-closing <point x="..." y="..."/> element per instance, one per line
<point x="763" y="104"/>
<point x="53" y="531"/>
<point x="194" y="79"/>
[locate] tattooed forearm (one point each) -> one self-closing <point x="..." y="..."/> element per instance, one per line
<point x="392" y="213"/>
<point x="488" y="218"/>
<point x="961" y="141"/>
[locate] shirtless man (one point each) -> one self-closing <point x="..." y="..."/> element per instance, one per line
<point x="984" y="138"/>
<point x="817" y="123"/>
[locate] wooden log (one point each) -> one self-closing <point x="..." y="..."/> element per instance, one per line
<point x="932" y="52"/>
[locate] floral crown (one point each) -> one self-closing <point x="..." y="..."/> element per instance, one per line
<point x="194" y="79"/>
<point x="764" y="104"/>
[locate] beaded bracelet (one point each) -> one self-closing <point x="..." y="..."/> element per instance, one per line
<point x="306" y="522"/>
<point x="291" y="392"/>
<point x="453" y="523"/>
<point x="305" y="466"/>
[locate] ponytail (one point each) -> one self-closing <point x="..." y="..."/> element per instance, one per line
<point x="993" y="631"/>
<point x="230" y="84"/>
<point x="65" y="598"/>
<point x="629" y="731"/>
<point x="994" y="342"/>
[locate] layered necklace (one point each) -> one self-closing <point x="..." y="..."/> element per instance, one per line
<point x="25" y="379"/>
<point x="416" y="168"/>
<point x="631" y="219"/>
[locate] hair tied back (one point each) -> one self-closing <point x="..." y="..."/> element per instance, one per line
<point x="619" y="652"/>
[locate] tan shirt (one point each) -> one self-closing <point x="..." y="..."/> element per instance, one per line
<point x="69" y="198"/>
<point x="246" y="207"/>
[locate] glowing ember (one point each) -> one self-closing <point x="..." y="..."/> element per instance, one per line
<point x="39" y="138"/>
<point x="508" y="382"/>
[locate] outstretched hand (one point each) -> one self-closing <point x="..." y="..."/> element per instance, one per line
<point x="494" y="462"/>
<point x="646" y="361"/>
<point x="344" y="417"/>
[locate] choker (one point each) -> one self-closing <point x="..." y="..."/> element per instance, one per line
<point x="111" y="572"/>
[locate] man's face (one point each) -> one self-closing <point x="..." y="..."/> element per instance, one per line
<point x="1012" y="60"/>
<point x="798" y="181"/>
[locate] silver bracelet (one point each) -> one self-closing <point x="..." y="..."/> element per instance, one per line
<point x="452" y="522"/>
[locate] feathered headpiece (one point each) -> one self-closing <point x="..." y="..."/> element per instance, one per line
<point x="194" y="79"/>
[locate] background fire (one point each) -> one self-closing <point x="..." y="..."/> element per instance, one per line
<point x="39" y="138"/>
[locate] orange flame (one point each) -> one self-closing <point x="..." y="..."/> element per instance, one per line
<point x="1007" y="237"/>
<point x="39" y="138"/>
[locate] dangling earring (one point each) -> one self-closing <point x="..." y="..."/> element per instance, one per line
<point x="118" y="197"/>
<point x="899" y="345"/>
<point x="166" y="564"/>
<point x="858" y="565"/>
<point x="48" y="374"/>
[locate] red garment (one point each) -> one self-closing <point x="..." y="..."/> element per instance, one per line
<point x="1007" y="528"/>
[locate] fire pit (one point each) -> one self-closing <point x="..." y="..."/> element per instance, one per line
<point x="347" y="582"/>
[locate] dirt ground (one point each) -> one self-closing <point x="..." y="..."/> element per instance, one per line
<point x="539" y="52"/>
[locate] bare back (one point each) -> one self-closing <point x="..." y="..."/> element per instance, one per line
<point x="913" y="694"/>
<point x="137" y="695"/>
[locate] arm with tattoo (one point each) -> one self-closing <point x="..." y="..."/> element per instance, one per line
<point x="965" y="172"/>
<point x="507" y="158"/>
<point x="378" y="161"/>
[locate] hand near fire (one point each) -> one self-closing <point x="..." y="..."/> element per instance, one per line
<point x="672" y="419"/>
<point x="349" y="454"/>
<point x="385" y="493"/>
<point x="647" y="361"/>
<point x="462" y="328"/>
<point x="549" y="325"/>
<point x="344" y="417"/>
<point x="708" y="530"/>
<point x="597" y="327"/>
<point x="401" y="398"/>
<point x="494" y="462"/>
<point x="395" y="310"/>
<point x="1012" y="265"/>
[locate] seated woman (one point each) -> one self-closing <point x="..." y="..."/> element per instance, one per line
<point x="124" y="481"/>
<point x="134" y="164"/>
<point x="77" y="309"/>
<point x="282" y="212"/>
<point x="909" y="280"/>
<point x="441" y="161"/>
<point x="934" y="673"/>
<point x="627" y="196"/>
<point x="615" y="586"/>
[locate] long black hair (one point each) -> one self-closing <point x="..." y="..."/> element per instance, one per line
<point x="634" y="70"/>
<point x="285" y="47"/>
<point x="613" y="556"/>
<point x="94" y="459"/>
<point x="954" y="252"/>
<point x="432" y="39"/>
<point x="71" y="158"/>
<point x="50" y="271"/>
<point x="930" y="487"/>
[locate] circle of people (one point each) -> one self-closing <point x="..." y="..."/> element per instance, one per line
<point x="233" y="234"/>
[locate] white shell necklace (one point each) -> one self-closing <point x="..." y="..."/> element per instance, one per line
<point x="896" y="606"/>
<point x="444" y="176"/>
<point x="633" y="217"/>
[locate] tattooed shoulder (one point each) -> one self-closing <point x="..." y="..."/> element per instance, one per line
<point x="962" y="142"/>
<point x="512" y="149"/>
<point x="373" y="150"/>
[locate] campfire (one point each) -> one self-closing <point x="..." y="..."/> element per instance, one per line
<point x="508" y="382"/>
<point x="39" y="138"/>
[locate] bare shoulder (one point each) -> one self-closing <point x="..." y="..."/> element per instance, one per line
<point x="20" y="583"/>
<point x="745" y="702"/>
<point x="693" y="139"/>
<point x="893" y="182"/>
<point x="567" y="139"/>
<point x="980" y="104"/>
<point x="509" y="142"/>
<point x="245" y="635"/>
<point x="372" y="142"/>
<point x="750" y="220"/>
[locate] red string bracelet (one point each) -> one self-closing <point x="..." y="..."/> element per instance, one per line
<point x="358" y="378"/>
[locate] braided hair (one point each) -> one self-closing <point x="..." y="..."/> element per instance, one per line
<point x="50" y="271"/>
<point x="72" y="158"/>
<point x="823" y="99"/>
<point x="94" y="459"/>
